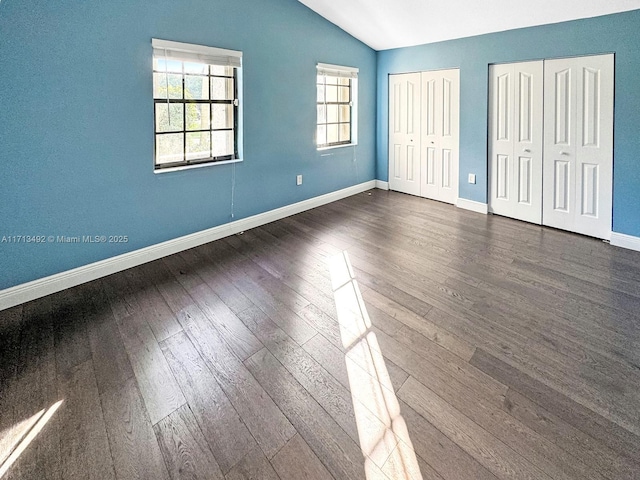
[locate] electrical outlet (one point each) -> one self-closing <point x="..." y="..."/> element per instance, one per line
<point x="472" y="178"/>
<point x="299" y="180"/>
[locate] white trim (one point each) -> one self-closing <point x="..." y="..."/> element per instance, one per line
<point x="44" y="286"/>
<point x="332" y="147"/>
<point x="382" y="185"/>
<point x="473" y="206"/>
<point x="195" y="165"/>
<point x="185" y="52"/>
<point x="625" y="241"/>
<point x="194" y="48"/>
<point x="337" y="70"/>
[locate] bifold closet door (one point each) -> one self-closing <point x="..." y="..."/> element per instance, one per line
<point x="404" y="133"/>
<point x="578" y="155"/>
<point x="440" y="109"/>
<point x="424" y="134"/>
<point x="516" y="140"/>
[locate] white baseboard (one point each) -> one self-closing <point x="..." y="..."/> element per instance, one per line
<point x="382" y="185"/>
<point x="45" y="286"/>
<point x="625" y="241"/>
<point x="473" y="206"/>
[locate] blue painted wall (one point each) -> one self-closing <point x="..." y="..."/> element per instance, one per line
<point x="612" y="33"/>
<point x="76" y="123"/>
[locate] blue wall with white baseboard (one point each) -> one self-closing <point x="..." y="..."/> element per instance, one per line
<point x="76" y="123"/>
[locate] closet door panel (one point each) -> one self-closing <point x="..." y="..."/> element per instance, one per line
<point x="431" y="105"/>
<point x="528" y="146"/>
<point x="500" y="139"/>
<point x="449" y="139"/>
<point x="404" y="133"/>
<point x="559" y="152"/>
<point x="440" y="137"/>
<point x="594" y="146"/>
<point x="515" y="140"/>
<point x="579" y="144"/>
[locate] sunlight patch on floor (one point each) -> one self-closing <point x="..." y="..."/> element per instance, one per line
<point x="16" y="439"/>
<point x="382" y="431"/>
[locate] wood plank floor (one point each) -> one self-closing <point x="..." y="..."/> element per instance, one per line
<point x="499" y="350"/>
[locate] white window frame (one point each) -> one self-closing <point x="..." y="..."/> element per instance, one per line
<point x="187" y="52"/>
<point x="327" y="69"/>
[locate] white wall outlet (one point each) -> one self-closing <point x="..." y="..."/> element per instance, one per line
<point x="299" y="180"/>
<point x="472" y="178"/>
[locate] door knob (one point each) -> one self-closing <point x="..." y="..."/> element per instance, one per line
<point x="526" y="150"/>
<point x="432" y="143"/>
<point x="564" y="153"/>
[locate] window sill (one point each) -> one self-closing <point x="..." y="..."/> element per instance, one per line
<point x="196" y="165"/>
<point x="333" y="147"/>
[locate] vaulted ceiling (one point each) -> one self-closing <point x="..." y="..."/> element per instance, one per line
<point x="385" y="24"/>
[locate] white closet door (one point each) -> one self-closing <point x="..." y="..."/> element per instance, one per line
<point x="578" y="156"/>
<point x="404" y="133"/>
<point x="440" y="135"/>
<point x="516" y="140"/>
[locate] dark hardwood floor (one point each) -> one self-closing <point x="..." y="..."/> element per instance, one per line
<point x="444" y="345"/>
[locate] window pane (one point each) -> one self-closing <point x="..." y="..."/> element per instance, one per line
<point x="160" y="81"/>
<point x="321" y="135"/>
<point x="198" y="116"/>
<point x="321" y="93"/>
<point x="223" y="143"/>
<point x="331" y="80"/>
<point x="345" y="113"/>
<point x="222" y="116"/>
<point x="332" y="93"/>
<point x="222" y="88"/>
<point x="169" y="117"/>
<point x="345" y="132"/>
<point x="332" y="113"/>
<point x="332" y="133"/>
<point x="161" y="65"/>
<point x="201" y="68"/>
<point x="196" y="87"/>
<point x="169" y="148"/>
<point x="198" y="145"/>
<point x="222" y="70"/>
<point x="322" y="114"/>
<point x="343" y="94"/>
<point x="344" y="81"/>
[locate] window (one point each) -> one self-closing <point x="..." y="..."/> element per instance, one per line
<point x="337" y="112"/>
<point x="196" y="104"/>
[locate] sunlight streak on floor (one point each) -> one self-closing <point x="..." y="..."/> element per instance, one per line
<point x="12" y="436"/>
<point x="18" y="438"/>
<point x="382" y="431"/>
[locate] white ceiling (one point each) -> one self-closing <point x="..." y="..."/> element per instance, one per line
<point x="385" y="24"/>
